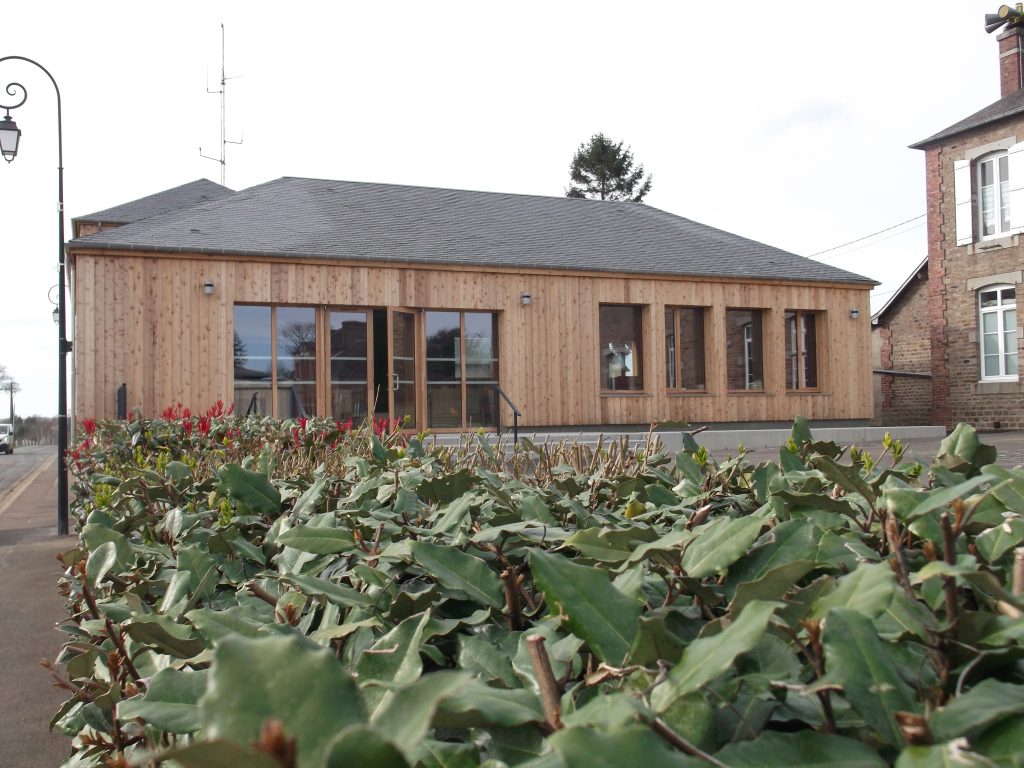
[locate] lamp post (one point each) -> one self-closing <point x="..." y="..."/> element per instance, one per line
<point x="10" y="136"/>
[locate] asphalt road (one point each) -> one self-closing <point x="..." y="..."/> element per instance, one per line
<point x="15" y="466"/>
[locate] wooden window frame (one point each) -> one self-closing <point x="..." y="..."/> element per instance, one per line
<point x="747" y="390"/>
<point x="463" y="382"/>
<point x="801" y="352"/>
<point x="639" y="354"/>
<point x="676" y="330"/>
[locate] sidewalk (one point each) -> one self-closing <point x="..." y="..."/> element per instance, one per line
<point x="29" y="608"/>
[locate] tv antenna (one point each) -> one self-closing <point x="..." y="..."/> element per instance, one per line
<point x="224" y="141"/>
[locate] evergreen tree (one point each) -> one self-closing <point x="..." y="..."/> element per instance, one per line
<point x="603" y="170"/>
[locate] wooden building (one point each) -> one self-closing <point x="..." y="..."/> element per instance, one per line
<point x="303" y="296"/>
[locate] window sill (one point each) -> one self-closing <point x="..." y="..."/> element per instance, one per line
<point x="801" y="392"/>
<point x="993" y="243"/>
<point x="997" y="387"/>
<point x="625" y="393"/>
<point x="750" y="392"/>
<point x="688" y="393"/>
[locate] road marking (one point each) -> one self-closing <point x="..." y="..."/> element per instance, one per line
<point x="16" y="490"/>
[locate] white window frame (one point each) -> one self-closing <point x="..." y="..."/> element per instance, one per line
<point x="1000" y="310"/>
<point x="1000" y="165"/>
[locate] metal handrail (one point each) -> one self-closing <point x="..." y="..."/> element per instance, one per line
<point x="515" y="414"/>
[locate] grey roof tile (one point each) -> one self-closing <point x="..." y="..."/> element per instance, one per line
<point x="315" y="218"/>
<point x="1008" y="106"/>
<point x="185" y="196"/>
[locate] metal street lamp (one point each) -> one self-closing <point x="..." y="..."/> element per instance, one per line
<point x="9" y="138"/>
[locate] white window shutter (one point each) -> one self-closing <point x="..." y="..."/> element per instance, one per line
<point x="964" y="208"/>
<point x="1015" y="167"/>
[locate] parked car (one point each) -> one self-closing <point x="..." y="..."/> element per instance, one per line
<point x="6" y="438"/>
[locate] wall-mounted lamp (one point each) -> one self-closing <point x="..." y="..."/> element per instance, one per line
<point x="208" y="287"/>
<point x="526" y="298"/>
<point x="854" y="313"/>
<point x="56" y="315"/>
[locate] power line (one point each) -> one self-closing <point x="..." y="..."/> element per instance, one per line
<point x="879" y="232"/>
<point x="876" y="242"/>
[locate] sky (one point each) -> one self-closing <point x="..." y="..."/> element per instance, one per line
<point x="787" y="123"/>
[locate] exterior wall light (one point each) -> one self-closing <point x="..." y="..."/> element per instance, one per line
<point x="854" y="313"/>
<point x="208" y="287"/>
<point x="526" y="298"/>
<point x="56" y="315"/>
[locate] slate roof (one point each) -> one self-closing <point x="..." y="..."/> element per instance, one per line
<point x="185" y="196"/>
<point x="898" y="293"/>
<point x="1008" y="106"/>
<point x="316" y="218"/>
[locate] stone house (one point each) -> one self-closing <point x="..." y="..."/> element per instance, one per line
<point x="975" y="207"/>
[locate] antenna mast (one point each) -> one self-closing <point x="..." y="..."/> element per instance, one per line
<point x="224" y="141"/>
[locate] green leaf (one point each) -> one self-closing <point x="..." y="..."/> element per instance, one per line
<point x="962" y="451"/>
<point x="708" y="657"/>
<point x="807" y="749"/>
<point x="171" y="701"/>
<point x="407" y="714"/>
<point x="339" y="594"/>
<point x="1003" y="743"/>
<point x="165" y="635"/>
<point x="592" y="543"/>
<point x="998" y="540"/>
<point x="986" y="703"/>
<point x="100" y="561"/>
<point x="251" y="488"/>
<point x="360" y="745"/>
<point x="218" y="754"/>
<point x="317" y="540"/>
<point x="458" y="570"/>
<point x="394" y="658"/>
<point x="720" y="544"/>
<point x="951" y="755"/>
<point x="286" y="678"/>
<point x="773" y="585"/>
<point x="307" y="503"/>
<point x="868" y="590"/>
<point x="476" y="704"/>
<point x="630" y="746"/>
<point x="862" y="664"/>
<point x="596" y="611"/>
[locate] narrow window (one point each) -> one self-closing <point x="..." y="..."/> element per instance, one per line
<point x="997" y="307"/>
<point x="462" y="369"/>
<point x="621" y="347"/>
<point x="994" y="195"/>
<point x="254" y="362"/>
<point x="743" y="338"/>
<point x="684" y="348"/>
<point x="349" y="370"/>
<point x="296" y="361"/>
<point x="801" y="350"/>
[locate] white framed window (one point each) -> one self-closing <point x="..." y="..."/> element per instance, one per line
<point x="997" y="332"/>
<point x="993" y="185"/>
<point x="988" y="191"/>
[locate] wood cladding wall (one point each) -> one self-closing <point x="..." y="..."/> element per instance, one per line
<point x="144" y="320"/>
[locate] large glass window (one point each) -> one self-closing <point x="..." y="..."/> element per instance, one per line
<point x="801" y="350"/>
<point x="994" y="195"/>
<point x="744" y="348"/>
<point x="296" y="361"/>
<point x="348" y="340"/>
<point x="684" y="348"/>
<point x="997" y="307"/>
<point x="253" y="359"/>
<point x="621" y="347"/>
<point x="462" y="369"/>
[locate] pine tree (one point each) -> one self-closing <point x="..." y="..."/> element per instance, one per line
<point x="603" y="170"/>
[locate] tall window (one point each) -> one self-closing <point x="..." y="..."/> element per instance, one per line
<point x="275" y="360"/>
<point x="997" y="307"/>
<point x="621" y="346"/>
<point x="801" y="350"/>
<point x="349" y="371"/>
<point x="462" y="369"/>
<point x="994" y="195"/>
<point x="684" y="348"/>
<point x="744" y="349"/>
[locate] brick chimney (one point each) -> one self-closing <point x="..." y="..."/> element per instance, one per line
<point x="1011" y="66"/>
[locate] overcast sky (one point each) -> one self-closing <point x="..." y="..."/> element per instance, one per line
<point x="786" y="122"/>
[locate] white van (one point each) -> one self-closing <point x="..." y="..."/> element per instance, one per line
<point x="6" y="438"/>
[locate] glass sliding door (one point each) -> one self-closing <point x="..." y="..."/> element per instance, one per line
<point x="462" y="369"/>
<point x="402" y="385"/>
<point x="348" y="334"/>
